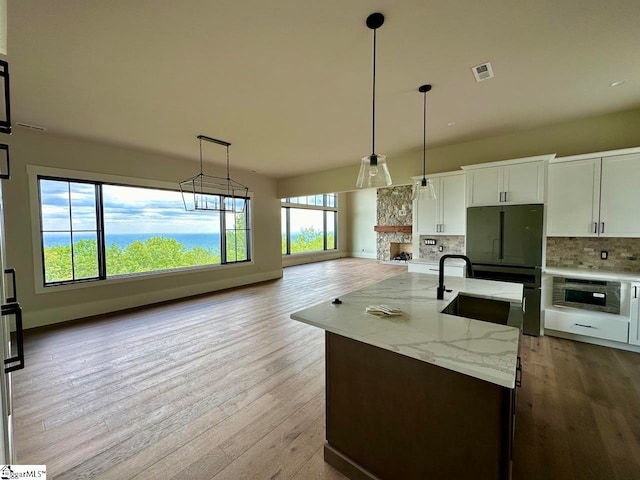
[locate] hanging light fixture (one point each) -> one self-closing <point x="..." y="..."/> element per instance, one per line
<point x="424" y="188"/>
<point x="373" y="168"/>
<point x="207" y="192"/>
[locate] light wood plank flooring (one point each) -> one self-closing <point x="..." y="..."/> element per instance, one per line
<point x="226" y="386"/>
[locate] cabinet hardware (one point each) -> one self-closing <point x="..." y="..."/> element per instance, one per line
<point x="7" y="175"/>
<point x="5" y="125"/>
<point x="505" y="196"/>
<point x="581" y="325"/>
<point x="14" y="297"/>
<point x="15" y="309"/>
<point x="595" y="227"/>
<point x="524" y="304"/>
<point x="602" y="229"/>
<point x="635" y="292"/>
<point x="519" y="373"/>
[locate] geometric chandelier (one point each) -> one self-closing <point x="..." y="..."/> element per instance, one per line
<point x="208" y="192"/>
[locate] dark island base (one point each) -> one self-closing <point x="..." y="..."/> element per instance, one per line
<point x="389" y="416"/>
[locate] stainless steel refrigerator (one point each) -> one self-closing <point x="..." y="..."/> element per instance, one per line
<point x="504" y="243"/>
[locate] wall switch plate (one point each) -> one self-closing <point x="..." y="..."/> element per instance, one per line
<point x="429" y="241"/>
<point x="604" y="254"/>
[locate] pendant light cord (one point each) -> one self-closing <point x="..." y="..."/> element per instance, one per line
<point x="373" y="102"/>
<point x="200" y="156"/>
<point x="424" y="138"/>
<point x="228" y="175"/>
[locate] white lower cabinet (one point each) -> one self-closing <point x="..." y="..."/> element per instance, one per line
<point x="634" y="327"/>
<point x="598" y="325"/>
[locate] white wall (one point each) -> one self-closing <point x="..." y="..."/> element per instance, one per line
<point x="94" y="298"/>
<point x="362" y="218"/>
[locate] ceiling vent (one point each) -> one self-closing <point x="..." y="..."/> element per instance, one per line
<point x="482" y="71"/>
<point x="28" y="126"/>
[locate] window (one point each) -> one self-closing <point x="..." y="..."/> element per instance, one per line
<point x="96" y="230"/>
<point x="309" y="223"/>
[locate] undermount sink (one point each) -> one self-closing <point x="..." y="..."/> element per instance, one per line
<point x="494" y="311"/>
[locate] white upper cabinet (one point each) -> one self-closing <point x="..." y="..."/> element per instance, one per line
<point x="511" y="182"/>
<point x="574" y="199"/>
<point x="446" y="215"/>
<point x="620" y="196"/>
<point x="594" y="197"/>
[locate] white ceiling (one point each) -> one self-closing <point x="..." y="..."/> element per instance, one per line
<point x="288" y="82"/>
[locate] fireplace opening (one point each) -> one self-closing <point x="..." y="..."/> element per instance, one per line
<point x="400" y="252"/>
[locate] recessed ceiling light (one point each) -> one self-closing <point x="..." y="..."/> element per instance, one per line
<point x="451" y="124"/>
<point x="616" y="84"/>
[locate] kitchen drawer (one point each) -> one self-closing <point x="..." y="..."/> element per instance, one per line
<point x="434" y="268"/>
<point x="596" y="325"/>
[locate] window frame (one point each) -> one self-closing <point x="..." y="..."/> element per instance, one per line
<point x="35" y="173"/>
<point x="288" y="203"/>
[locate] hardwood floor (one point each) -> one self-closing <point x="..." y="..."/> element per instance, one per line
<point x="226" y="386"/>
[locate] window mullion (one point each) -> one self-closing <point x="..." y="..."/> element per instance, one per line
<point x="102" y="257"/>
<point x="223" y="234"/>
<point x="324" y="229"/>
<point x="288" y="216"/>
<point x="73" y="260"/>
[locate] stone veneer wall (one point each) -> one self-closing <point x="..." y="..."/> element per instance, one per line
<point x="584" y="253"/>
<point x="390" y="201"/>
<point x="451" y="244"/>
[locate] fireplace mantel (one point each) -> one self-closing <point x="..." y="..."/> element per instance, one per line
<point x="393" y="228"/>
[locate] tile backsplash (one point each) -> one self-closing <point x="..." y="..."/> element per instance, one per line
<point x="584" y="253"/>
<point x="451" y="244"/>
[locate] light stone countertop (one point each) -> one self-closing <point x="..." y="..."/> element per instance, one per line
<point x="483" y="350"/>
<point x="593" y="274"/>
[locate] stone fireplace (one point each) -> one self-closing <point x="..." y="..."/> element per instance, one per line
<point x="394" y="217"/>
<point x="400" y="251"/>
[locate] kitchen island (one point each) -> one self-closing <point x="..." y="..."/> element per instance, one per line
<point x="424" y="394"/>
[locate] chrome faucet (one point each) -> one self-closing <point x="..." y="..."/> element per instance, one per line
<point x="441" y="287"/>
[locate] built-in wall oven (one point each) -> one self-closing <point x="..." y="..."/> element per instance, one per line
<point x="595" y="295"/>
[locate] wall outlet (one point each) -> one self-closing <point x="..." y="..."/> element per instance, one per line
<point x="441" y="248"/>
<point x="402" y="213"/>
<point x="429" y="241"/>
<point x="604" y="254"/>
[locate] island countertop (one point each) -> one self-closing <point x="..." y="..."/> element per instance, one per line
<point x="483" y="350"/>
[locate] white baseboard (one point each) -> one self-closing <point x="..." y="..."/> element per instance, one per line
<point x="302" y="258"/>
<point x="371" y="256"/>
<point x="51" y="316"/>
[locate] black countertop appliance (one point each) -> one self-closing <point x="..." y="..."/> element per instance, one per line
<point x="504" y="243"/>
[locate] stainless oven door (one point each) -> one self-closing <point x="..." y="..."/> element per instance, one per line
<point x="595" y="295"/>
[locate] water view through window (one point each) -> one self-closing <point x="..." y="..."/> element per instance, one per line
<point x="94" y="231"/>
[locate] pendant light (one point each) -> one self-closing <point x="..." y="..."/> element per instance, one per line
<point x="424" y="188"/>
<point x="373" y="168"/>
<point x="217" y="194"/>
